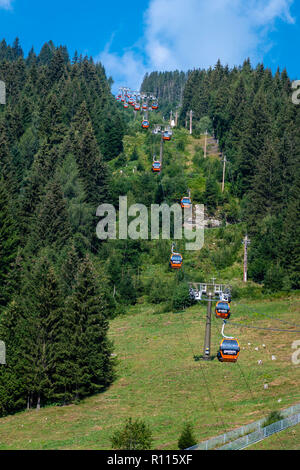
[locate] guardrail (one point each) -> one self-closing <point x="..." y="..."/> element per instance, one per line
<point x="242" y="431"/>
<point x="257" y="436"/>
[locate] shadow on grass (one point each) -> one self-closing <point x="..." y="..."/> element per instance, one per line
<point x="205" y="358"/>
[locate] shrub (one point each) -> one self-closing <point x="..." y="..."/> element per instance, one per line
<point x="273" y="278"/>
<point x="180" y="145"/>
<point x="187" y="438"/>
<point x="273" y="417"/>
<point x="198" y="159"/>
<point x="134" y="155"/>
<point x="159" y="289"/>
<point x="181" y="298"/>
<point x="135" y="435"/>
<point x="140" y="166"/>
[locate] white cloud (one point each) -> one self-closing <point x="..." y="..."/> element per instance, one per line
<point x="196" y="33"/>
<point x="5" y="4"/>
<point x="127" y="69"/>
<point x="266" y="12"/>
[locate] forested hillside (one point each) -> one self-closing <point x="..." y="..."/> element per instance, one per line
<point x="67" y="146"/>
<point x="59" y="128"/>
<point x="167" y="87"/>
<point x="257" y="126"/>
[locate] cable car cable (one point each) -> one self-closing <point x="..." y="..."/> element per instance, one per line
<point x="267" y="315"/>
<point x="246" y="381"/>
<point x="206" y="382"/>
<point x="242" y="325"/>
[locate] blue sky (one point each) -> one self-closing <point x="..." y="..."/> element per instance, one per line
<point x="131" y="38"/>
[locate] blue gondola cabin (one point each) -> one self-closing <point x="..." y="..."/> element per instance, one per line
<point x="185" y="202"/>
<point x="175" y="261"/>
<point x="145" y="124"/>
<point x="229" y="350"/>
<point x="156" y="167"/>
<point x="223" y="310"/>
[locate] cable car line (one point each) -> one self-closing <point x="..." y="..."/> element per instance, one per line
<point x="252" y="396"/>
<point x="262" y="328"/>
<point x="220" y="309"/>
<point x="248" y="386"/>
<point x="269" y="316"/>
<point x="205" y="381"/>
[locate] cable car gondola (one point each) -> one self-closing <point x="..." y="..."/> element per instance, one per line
<point x="175" y="261"/>
<point x="229" y="350"/>
<point x="166" y="135"/>
<point x="125" y="105"/>
<point x="156" y="166"/>
<point x="154" y="106"/>
<point x="145" y="124"/>
<point x="223" y="310"/>
<point x="137" y="107"/>
<point x="144" y="106"/>
<point x="185" y="202"/>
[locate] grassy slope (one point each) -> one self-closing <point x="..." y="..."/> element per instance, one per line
<point x="158" y="380"/>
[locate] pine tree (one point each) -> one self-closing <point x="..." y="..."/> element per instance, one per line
<point x="92" y="169"/>
<point x="42" y="305"/>
<point x="45" y="54"/>
<point x="87" y="347"/>
<point x="187" y="438"/>
<point x="266" y="193"/>
<point x="8" y="240"/>
<point x="50" y="225"/>
<point x="211" y="194"/>
<point x="13" y="380"/>
<point x="257" y="128"/>
<point x="30" y="329"/>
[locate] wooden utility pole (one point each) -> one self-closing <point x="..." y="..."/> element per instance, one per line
<point x="161" y="149"/>
<point x="176" y="118"/>
<point x="207" y="338"/>
<point x="205" y="144"/>
<point x="191" y="121"/>
<point x="224" y="168"/>
<point x="246" y="242"/>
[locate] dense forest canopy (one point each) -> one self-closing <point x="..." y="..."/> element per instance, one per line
<point x="257" y="126"/>
<point x="58" y="130"/>
<point x="167" y="87"/>
<point x="251" y="113"/>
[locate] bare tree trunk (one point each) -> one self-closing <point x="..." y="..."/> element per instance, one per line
<point x="28" y="401"/>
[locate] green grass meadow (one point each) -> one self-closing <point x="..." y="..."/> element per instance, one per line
<point x="159" y="380"/>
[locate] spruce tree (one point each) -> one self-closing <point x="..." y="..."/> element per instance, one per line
<point x="187" y="438"/>
<point x="42" y="305"/>
<point x="87" y="349"/>
<point x="8" y="240"/>
<point x="50" y="225"/>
